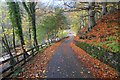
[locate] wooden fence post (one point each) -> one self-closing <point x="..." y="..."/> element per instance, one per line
<point x="12" y="62"/>
<point x="33" y="52"/>
<point x="24" y="58"/>
<point x="37" y="47"/>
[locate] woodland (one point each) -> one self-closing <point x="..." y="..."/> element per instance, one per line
<point x="30" y="28"/>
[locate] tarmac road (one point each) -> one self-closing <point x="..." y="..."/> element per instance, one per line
<point x="65" y="64"/>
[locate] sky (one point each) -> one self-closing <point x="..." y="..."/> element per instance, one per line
<point x="52" y="2"/>
<point x="58" y="1"/>
<point x="46" y="2"/>
<point x="61" y="1"/>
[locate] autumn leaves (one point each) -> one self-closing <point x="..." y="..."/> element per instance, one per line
<point x="98" y="68"/>
<point x="37" y="67"/>
<point x="104" y="34"/>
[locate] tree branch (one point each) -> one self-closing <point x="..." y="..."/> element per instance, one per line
<point x="26" y="8"/>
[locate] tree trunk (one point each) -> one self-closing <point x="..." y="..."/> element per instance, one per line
<point x="31" y="13"/>
<point x="91" y="23"/>
<point x="4" y="47"/>
<point x="14" y="47"/>
<point x="48" y="37"/>
<point x="20" y="31"/>
<point x="112" y="8"/>
<point x="104" y="8"/>
<point x="4" y="40"/>
<point x="62" y="33"/>
<point x="85" y="20"/>
<point x="96" y="15"/>
<point x="55" y="33"/>
<point x="30" y="37"/>
<point x="33" y="23"/>
<point x="12" y="62"/>
<point x="82" y="21"/>
<point x="34" y="30"/>
<point x="16" y="21"/>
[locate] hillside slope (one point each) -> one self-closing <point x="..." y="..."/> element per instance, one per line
<point x="102" y="42"/>
<point x="104" y="34"/>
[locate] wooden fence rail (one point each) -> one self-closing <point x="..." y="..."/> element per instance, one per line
<point x="21" y="59"/>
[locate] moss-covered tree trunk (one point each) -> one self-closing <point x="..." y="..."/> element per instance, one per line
<point x="34" y="27"/>
<point x="16" y="21"/>
<point x="14" y="45"/>
<point x="30" y="9"/>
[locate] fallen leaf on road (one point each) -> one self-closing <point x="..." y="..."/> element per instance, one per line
<point x="81" y="72"/>
<point x="43" y="71"/>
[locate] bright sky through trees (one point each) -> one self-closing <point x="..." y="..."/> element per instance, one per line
<point x="52" y="2"/>
<point x="59" y="1"/>
<point x="45" y="2"/>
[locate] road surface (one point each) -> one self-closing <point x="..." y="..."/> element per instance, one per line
<point x="65" y="64"/>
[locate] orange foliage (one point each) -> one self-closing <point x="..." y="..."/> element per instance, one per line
<point x="102" y="72"/>
<point x="39" y="63"/>
<point x="108" y="25"/>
